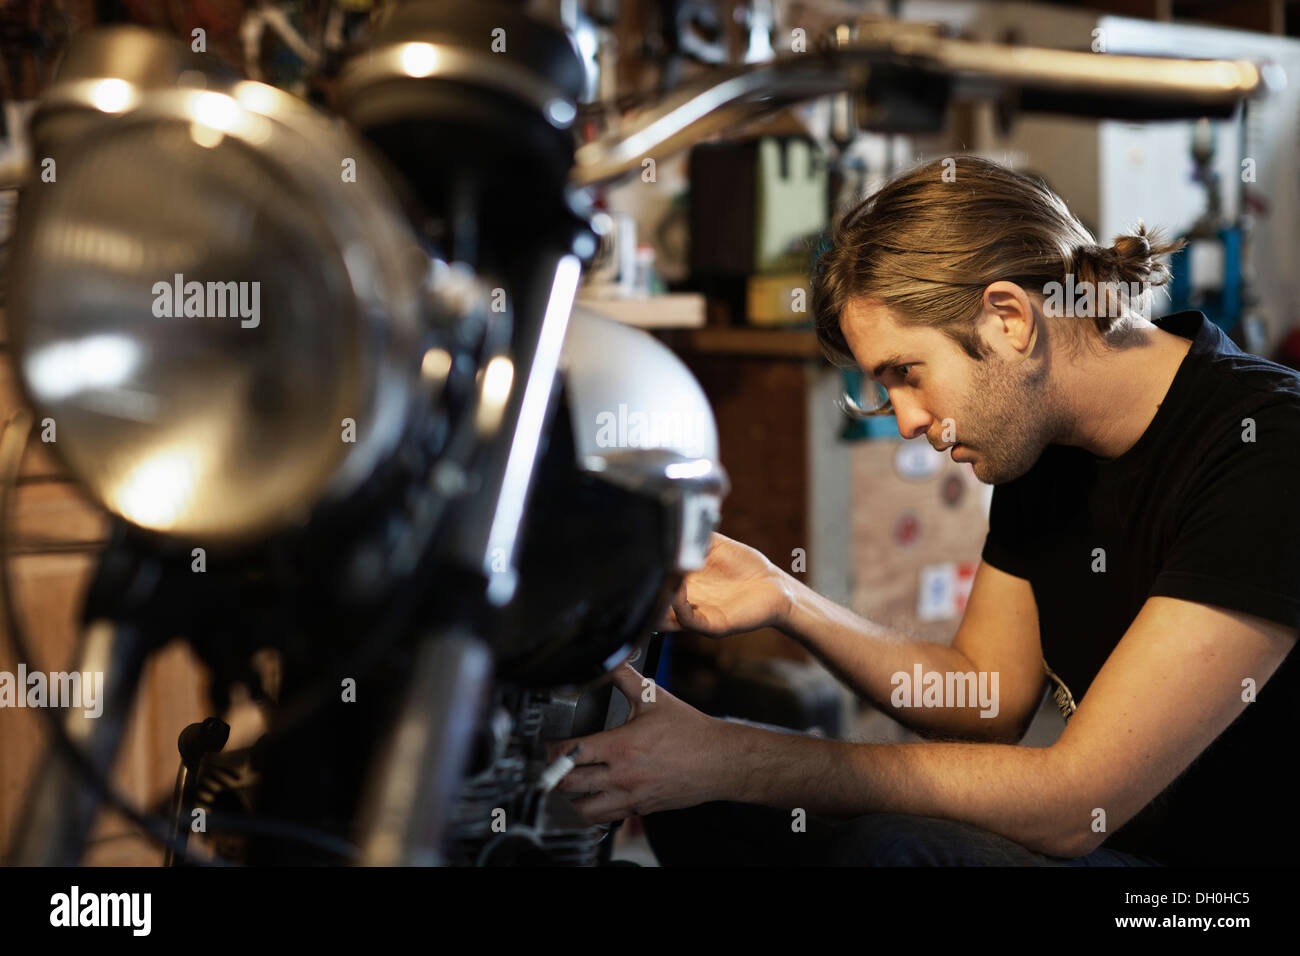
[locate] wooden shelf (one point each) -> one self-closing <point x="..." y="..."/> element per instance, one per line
<point x="736" y="340"/>
<point x="676" y="310"/>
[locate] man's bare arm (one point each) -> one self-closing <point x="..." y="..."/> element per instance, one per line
<point x="1170" y="687"/>
<point x="998" y="635"/>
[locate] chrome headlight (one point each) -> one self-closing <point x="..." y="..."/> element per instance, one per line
<point x="217" y="305"/>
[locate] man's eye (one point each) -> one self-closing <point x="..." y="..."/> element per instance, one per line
<point x="902" y="370"/>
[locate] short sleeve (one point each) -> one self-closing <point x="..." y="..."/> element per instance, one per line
<point x="1006" y="545"/>
<point x="1237" y="540"/>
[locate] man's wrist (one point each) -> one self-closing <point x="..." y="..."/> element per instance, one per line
<point x="771" y="767"/>
<point x="733" y="763"/>
<point x="783" y="587"/>
<point x="792" y="605"/>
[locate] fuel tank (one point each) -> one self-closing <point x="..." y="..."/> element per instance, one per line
<point x="629" y="491"/>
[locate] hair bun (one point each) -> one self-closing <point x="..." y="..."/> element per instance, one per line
<point x="1133" y="247"/>
<point x="1134" y="258"/>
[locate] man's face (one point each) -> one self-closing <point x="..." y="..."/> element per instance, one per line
<point x="997" y="411"/>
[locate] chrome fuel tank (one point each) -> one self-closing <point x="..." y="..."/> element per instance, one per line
<point x="628" y="493"/>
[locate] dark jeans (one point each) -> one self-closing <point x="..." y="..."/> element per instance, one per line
<point x="740" y="834"/>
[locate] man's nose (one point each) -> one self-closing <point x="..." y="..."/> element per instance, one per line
<point x="913" y="421"/>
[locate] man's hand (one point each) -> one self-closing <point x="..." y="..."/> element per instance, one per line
<point x="738" y="589"/>
<point x="667" y="756"/>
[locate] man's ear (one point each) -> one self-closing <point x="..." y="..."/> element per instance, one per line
<point x="1010" y="320"/>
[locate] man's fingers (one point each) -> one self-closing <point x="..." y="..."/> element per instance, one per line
<point x="592" y="779"/>
<point x="630" y="681"/>
<point x="587" y="750"/>
<point x="669" y="621"/>
<point x="690" y="616"/>
<point x="606" y="807"/>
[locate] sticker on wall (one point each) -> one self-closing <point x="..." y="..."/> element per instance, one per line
<point x="916" y="460"/>
<point x="953" y="489"/>
<point x="907" y="529"/>
<point x="943" y="590"/>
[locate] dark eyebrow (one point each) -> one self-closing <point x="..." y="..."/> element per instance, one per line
<point x="894" y="359"/>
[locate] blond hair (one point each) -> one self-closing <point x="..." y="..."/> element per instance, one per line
<point x="930" y="241"/>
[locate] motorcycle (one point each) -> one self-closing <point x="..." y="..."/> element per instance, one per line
<point x="326" y="374"/>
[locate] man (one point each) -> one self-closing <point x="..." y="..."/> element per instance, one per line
<point x="1143" y="557"/>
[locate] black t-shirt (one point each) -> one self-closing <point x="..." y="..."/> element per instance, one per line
<point x="1194" y="510"/>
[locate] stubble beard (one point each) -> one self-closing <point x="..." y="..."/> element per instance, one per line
<point x="1011" y="416"/>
